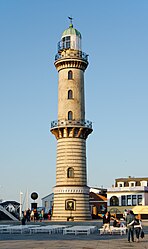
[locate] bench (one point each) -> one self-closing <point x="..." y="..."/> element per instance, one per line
<point x="113" y="230"/>
<point x="75" y="230"/>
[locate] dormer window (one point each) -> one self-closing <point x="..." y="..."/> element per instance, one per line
<point x="70" y="75"/>
<point x="131" y="184"/>
<point x="120" y="184"/>
<point x="143" y="183"/>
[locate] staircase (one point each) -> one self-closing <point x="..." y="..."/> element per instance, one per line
<point x="3" y="210"/>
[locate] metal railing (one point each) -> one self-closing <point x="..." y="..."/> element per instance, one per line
<point x="60" y="123"/>
<point x="78" y="54"/>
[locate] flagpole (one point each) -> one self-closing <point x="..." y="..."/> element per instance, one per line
<point x="27" y="200"/>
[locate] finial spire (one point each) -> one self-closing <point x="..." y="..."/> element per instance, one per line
<point x="70" y="18"/>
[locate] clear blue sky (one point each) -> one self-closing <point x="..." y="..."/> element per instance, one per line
<point x="116" y="90"/>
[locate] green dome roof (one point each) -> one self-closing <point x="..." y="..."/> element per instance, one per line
<point x="71" y="31"/>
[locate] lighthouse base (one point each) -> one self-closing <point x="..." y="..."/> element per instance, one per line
<point x="71" y="204"/>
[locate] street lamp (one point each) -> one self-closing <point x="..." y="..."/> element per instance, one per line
<point x="21" y="204"/>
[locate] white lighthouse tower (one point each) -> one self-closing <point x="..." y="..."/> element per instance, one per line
<point x="71" y="193"/>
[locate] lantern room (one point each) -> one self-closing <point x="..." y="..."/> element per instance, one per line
<point x="71" y="39"/>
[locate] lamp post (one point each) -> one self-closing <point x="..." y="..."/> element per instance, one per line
<point x="21" y="204"/>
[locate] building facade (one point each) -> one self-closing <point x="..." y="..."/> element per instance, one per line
<point x="47" y="203"/>
<point x="71" y="193"/>
<point x="98" y="204"/>
<point x="127" y="193"/>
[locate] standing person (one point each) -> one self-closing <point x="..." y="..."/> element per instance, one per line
<point x="130" y="219"/>
<point x="40" y="216"/>
<point x="49" y="215"/>
<point x="125" y="214"/>
<point x="137" y="228"/>
<point x="23" y="219"/>
<point x="42" y="212"/>
<point x="28" y="212"/>
<point x="106" y="222"/>
<point x="36" y="215"/>
<point x="32" y="215"/>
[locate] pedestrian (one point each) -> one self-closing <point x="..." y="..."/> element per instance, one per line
<point x="125" y="214"/>
<point x="137" y="228"/>
<point x="36" y="215"/>
<point x="49" y="215"/>
<point x="28" y="212"/>
<point x="32" y="215"/>
<point x="40" y="216"/>
<point x="23" y="218"/>
<point x="130" y="218"/>
<point x="116" y="223"/>
<point x="42" y="212"/>
<point x="106" y="222"/>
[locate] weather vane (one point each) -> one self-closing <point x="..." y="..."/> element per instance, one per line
<point x="70" y="18"/>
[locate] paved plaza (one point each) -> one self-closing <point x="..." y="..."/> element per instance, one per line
<point x="56" y="241"/>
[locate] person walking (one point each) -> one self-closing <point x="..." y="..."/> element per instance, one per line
<point x="137" y="228"/>
<point x="106" y="222"/>
<point x="130" y="219"/>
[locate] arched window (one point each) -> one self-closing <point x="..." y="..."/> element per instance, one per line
<point x="70" y="173"/>
<point x="70" y="115"/>
<point x="114" y="201"/>
<point x="70" y="94"/>
<point x="70" y="74"/>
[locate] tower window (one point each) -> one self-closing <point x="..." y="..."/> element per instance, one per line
<point x="70" y="94"/>
<point x="70" y="115"/>
<point x="70" y="75"/>
<point x="66" y="42"/>
<point x="70" y="173"/>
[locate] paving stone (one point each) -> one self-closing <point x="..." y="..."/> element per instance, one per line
<point x="60" y="241"/>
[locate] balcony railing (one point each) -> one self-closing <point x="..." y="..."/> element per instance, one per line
<point x="127" y="189"/>
<point x="79" y="54"/>
<point x="60" y="123"/>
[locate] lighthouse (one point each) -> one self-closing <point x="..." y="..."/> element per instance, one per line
<point x="71" y="129"/>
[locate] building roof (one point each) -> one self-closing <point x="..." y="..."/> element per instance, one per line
<point x="131" y="178"/>
<point x="47" y="196"/>
<point x="98" y="189"/>
<point x="71" y="31"/>
<point x="97" y="197"/>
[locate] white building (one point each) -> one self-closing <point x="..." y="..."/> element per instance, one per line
<point x="127" y="193"/>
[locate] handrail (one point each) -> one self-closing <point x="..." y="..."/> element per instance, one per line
<point x="79" y="54"/>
